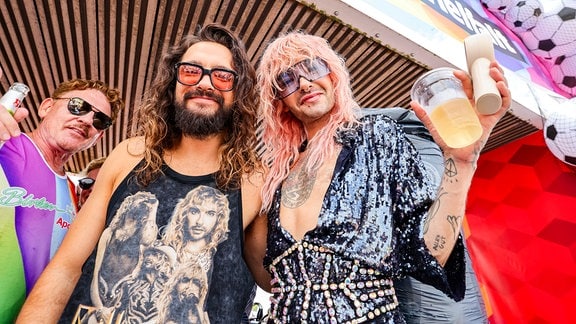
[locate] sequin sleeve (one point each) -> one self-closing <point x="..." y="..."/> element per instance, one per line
<point x="412" y="192"/>
<point x="379" y="199"/>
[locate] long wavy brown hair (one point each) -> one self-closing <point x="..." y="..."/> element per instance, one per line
<point x="238" y="154"/>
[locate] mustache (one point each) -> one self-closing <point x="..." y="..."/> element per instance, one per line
<point x="204" y="93"/>
<point x="85" y="129"/>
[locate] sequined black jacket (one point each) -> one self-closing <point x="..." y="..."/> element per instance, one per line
<point x="369" y="231"/>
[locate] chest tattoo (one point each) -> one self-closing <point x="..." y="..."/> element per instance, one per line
<point x="298" y="185"/>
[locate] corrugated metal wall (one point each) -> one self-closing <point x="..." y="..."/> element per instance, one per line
<point x="44" y="42"/>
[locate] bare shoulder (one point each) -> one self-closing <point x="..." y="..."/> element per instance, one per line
<point x="251" y="201"/>
<point x="125" y="156"/>
<point x="131" y="148"/>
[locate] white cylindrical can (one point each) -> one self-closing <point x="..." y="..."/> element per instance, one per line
<point x="13" y="98"/>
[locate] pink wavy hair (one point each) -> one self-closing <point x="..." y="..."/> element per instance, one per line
<point x="282" y="133"/>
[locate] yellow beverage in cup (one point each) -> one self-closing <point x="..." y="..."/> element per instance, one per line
<point x="441" y="95"/>
<point x="456" y="122"/>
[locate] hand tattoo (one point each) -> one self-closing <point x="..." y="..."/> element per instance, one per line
<point x="450" y="170"/>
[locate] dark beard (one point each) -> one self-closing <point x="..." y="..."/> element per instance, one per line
<point x="200" y="125"/>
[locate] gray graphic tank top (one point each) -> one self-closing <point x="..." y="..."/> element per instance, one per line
<point x="170" y="253"/>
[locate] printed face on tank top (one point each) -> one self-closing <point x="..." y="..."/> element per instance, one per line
<point x="163" y="274"/>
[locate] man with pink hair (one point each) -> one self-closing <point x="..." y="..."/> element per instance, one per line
<point x="349" y="204"/>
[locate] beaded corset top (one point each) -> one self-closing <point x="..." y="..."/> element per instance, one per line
<point x="314" y="284"/>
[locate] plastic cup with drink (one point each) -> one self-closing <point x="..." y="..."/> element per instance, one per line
<point x="441" y="95"/>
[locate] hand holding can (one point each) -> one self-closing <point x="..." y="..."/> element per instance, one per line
<point x="443" y="98"/>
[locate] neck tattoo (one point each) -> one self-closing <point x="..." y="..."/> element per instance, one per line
<point x="297" y="187"/>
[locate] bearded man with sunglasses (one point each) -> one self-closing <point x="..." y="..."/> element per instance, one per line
<point x="348" y="200"/>
<point x="37" y="200"/>
<point x="197" y="130"/>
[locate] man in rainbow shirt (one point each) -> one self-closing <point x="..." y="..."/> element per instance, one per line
<point x="37" y="199"/>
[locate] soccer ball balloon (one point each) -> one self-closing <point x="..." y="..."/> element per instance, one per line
<point x="523" y="15"/>
<point x="553" y="38"/>
<point x="563" y="73"/>
<point x="548" y="29"/>
<point x="498" y="7"/>
<point x="554" y="35"/>
<point x="560" y="134"/>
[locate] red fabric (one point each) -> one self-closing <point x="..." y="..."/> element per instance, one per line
<point x="521" y="228"/>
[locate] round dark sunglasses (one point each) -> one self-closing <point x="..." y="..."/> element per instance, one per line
<point x="190" y="74"/>
<point x="80" y="107"/>
<point x="86" y="183"/>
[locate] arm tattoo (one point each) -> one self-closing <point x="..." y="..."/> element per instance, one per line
<point x="450" y="173"/>
<point x="433" y="211"/>
<point x="450" y="170"/>
<point x="454" y="221"/>
<point x="439" y="243"/>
